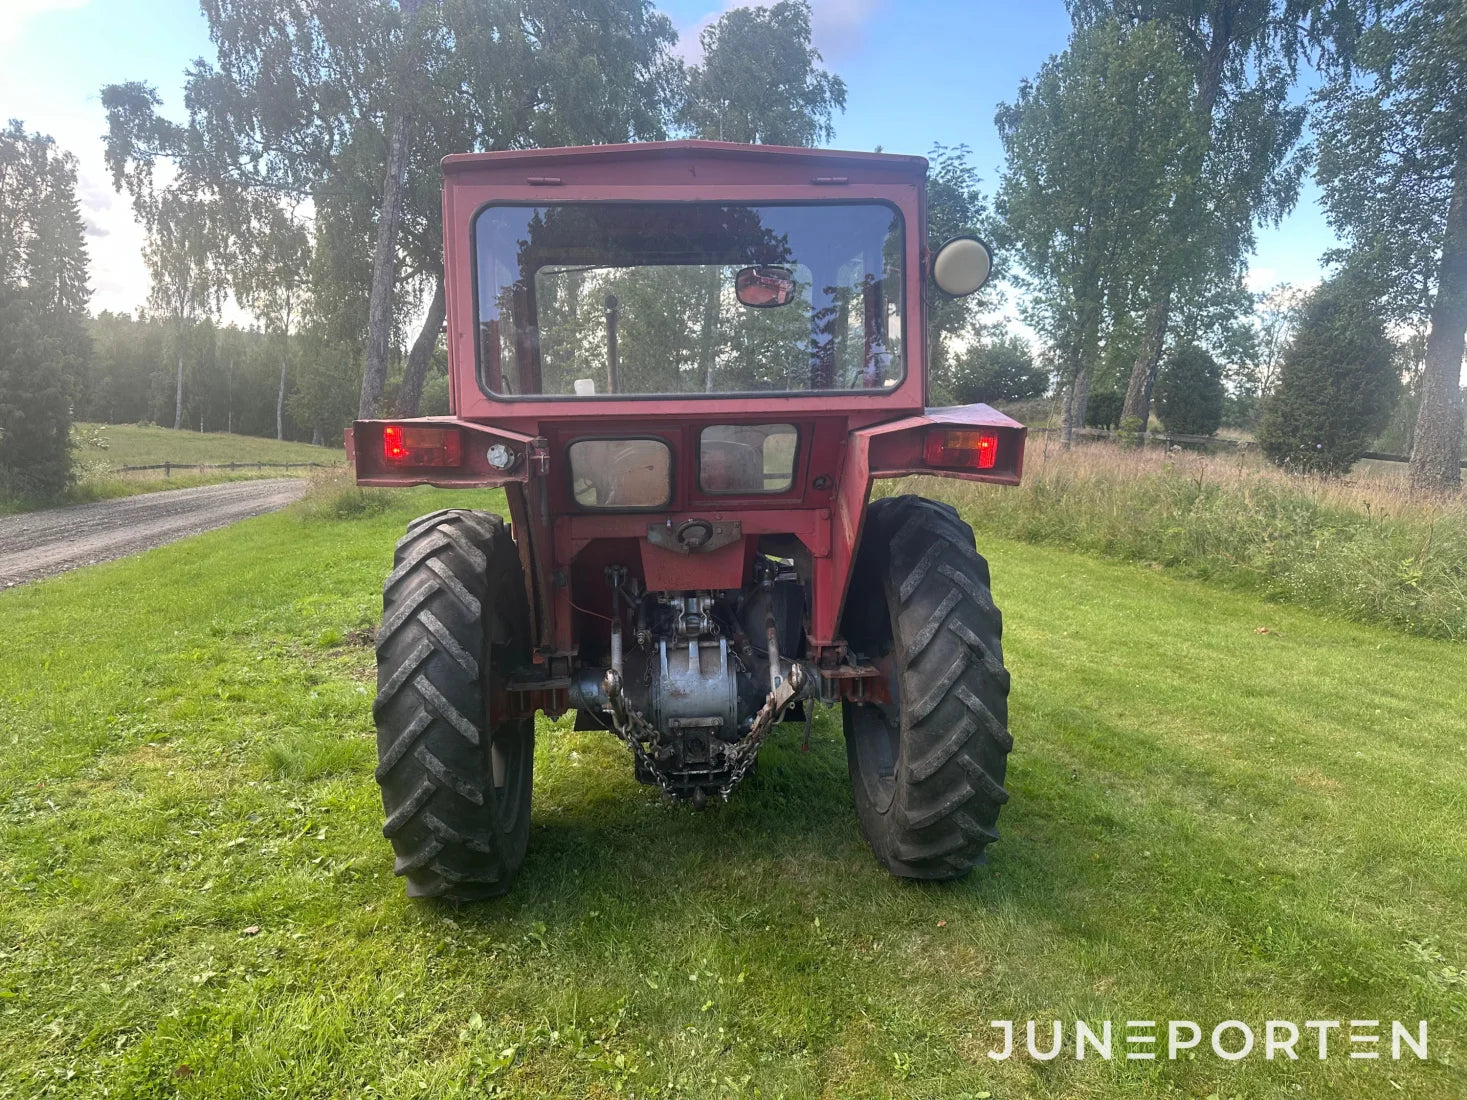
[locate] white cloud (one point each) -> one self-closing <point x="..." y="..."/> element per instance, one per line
<point x="1260" y="279"/>
<point x="17" y="12"/>
<point x="118" y="277"/>
<point x="837" y="27"/>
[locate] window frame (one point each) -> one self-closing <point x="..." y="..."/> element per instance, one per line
<point x="795" y="456"/>
<point x="908" y="342"/>
<point x="633" y="437"/>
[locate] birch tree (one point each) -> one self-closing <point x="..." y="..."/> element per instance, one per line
<point x="1393" y="166"/>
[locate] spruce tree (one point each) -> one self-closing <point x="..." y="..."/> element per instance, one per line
<point x="1337" y="385"/>
<point x="44" y="342"/>
<point x="1189" y="392"/>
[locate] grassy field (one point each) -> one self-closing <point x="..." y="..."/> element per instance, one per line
<point x="131" y="445"/>
<point x="1364" y="548"/>
<point x="1222" y="809"/>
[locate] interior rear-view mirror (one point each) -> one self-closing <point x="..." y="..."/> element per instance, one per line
<point x="765" y="286"/>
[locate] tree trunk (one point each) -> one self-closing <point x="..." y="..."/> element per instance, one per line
<point x="1076" y="398"/>
<point x="1436" y="457"/>
<point x="280" y="396"/>
<point x="389" y="217"/>
<point x="1137" y="410"/>
<point x="317" y="440"/>
<point x="416" y="371"/>
<point x="178" y="391"/>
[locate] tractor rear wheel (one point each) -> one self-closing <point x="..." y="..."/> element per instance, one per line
<point x="455" y="776"/>
<point x="927" y="770"/>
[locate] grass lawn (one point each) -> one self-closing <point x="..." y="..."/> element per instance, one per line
<point x="1209" y="822"/>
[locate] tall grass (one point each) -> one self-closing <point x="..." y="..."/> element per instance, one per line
<point x="1364" y="549"/>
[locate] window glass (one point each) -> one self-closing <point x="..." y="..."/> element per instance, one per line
<point x="747" y="458"/>
<point x="621" y="473"/>
<point x="596" y="299"/>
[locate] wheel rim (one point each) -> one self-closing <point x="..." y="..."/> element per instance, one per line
<point x="876" y="737"/>
<point x="509" y="763"/>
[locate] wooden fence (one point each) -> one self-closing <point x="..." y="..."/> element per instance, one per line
<point x="232" y="467"/>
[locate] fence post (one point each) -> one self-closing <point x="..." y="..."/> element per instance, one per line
<point x="167" y="469"/>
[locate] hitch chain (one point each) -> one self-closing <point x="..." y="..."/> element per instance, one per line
<point x="746" y="750"/>
<point x="634" y="729"/>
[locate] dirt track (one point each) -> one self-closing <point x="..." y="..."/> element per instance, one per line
<point x="39" y="544"/>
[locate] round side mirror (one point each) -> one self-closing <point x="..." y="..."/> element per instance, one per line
<point x="961" y="266"/>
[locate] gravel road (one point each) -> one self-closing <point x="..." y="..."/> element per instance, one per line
<point x="39" y="544"/>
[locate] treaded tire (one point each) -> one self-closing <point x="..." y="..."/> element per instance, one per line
<point x="927" y="772"/>
<point x="455" y="780"/>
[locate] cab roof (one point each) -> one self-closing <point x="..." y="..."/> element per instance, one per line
<point x="724" y="162"/>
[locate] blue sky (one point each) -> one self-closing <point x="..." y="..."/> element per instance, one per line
<point x="917" y="72"/>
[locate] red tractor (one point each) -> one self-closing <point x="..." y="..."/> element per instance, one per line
<point x="686" y="363"/>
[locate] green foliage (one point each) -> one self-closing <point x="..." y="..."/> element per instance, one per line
<point x="1393" y="167"/>
<point x="1103" y="410"/>
<point x="759" y="81"/>
<point x="1391" y="131"/>
<point x="1337" y="386"/>
<point x="435" y="396"/>
<point x="334" y="498"/>
<point x="293" y="108"/>
<point x="1239" y="167"/>
<point x="187" y="258"/>
<point x="1002" y="370"/>
<point x="1189" y="392"/>
<point x="43" y="297"/>
<point x="328" y="378"/>
<point x="1084" y="214"/>
<point x="956" y="206"/>
<point x="36" y="366"/>
<point x="231" y="378"/>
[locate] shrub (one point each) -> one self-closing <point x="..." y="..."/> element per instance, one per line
<point x="434" y="401"/>
<point x="1001" y="371"/>
<point x="1337" y="386"/>
<point x="1189" y="392"/>
<point x="334" y="496"/>
<point x="1104" y="410"/>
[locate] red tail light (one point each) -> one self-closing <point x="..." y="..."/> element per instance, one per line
<point x="963" y="449"/>
<point x="407" y="445"/>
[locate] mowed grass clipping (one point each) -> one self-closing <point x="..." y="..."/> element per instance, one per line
<point x="1222" y="809"/>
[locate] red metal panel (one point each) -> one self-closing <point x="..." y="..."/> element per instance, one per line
<point x="667" y="571"/>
